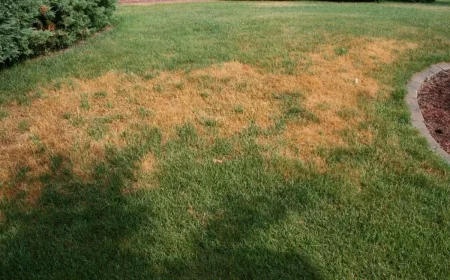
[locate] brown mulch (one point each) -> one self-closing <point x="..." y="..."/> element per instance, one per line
<point x="434" y="101"/>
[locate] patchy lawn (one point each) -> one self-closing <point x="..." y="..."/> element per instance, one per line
<point x="227" y="141"/>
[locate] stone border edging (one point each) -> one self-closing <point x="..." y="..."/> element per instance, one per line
<point x="413" y="87"/>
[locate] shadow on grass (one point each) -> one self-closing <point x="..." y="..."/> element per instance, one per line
<point x="227" y="249"/>
<point x="88" y="230"/>
<point x="241" y="210"/>
<point x="77" y="229"/>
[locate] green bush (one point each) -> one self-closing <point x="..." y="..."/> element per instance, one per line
<point x="31" y="27"/>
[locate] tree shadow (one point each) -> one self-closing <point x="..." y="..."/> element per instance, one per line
<point x="225" y="248"/>
<point x="77" y="229"/>
<point x="82" y="229"/>
<point x="244" y="211"/>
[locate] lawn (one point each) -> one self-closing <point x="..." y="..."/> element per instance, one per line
<point x="227" y="140"/>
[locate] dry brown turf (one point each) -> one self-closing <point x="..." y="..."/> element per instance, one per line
<point x="79" y="118"/>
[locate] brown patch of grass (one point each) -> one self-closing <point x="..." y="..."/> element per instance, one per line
<point x="339" y="81"/>
<point x="320" y="164"/>
<point x="194" y="213"/>
<point x="2" y="217"/>
<point x="148" y="163"/>
<point x="145" y="175"/>
<point x="427" y="168"/>
<point x="80" y="118"/>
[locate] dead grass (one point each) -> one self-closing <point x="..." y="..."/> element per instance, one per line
<point x="148" y="163"/>
<point x="79" y="118"/>
<point x="2" y="217"/>
<point x="144" y="175"/>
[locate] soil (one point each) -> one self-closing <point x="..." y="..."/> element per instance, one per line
<point x="434" y="101"/>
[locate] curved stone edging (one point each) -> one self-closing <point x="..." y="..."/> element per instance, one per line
<point x="414" y="85"/>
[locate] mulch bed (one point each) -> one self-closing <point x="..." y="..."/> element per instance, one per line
<point x="434" y="101"/>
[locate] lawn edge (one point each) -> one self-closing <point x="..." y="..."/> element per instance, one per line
<point x="413" y="87"/>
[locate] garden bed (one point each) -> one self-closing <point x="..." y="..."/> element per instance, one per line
<point x="434" y="101"/>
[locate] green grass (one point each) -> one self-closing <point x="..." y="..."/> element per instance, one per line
<point x="220" y="208"/>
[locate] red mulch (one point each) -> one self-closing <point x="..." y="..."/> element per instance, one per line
<point x="434" y="101"/>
